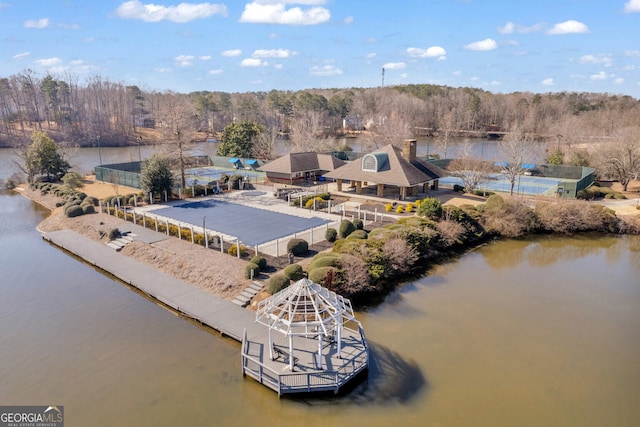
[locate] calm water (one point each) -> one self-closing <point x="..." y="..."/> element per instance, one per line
<point x="539" y="332"/>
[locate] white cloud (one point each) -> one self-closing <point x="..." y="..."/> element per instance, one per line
<point x="394" y="65"/>
<point x="205" y="58"/>
<point x="495" y="83"/>
<point x="600" y="58"/>
<point x="457" y="73"/>
<point x="232" y="52"/>
<point x="76" y="62"/>
<point x="510" y="28"/>
<point x="568" y="27"/>
<point x="270" y="12"/>
<point x="404" y="75"/>
<point x="48" y="62"/>
<point x="430" y="52"/>
<point x="482" y="45"/>
<point x="36" y="23"/>
<point x="272" y="53"/>
<point x="632" y="53"/>
<point x="162" y="70"/>
<point x="632" y="6"/>
<point x="629" y="67"/>
<point x="216" y="72"/>
<point x="618" y="81"/>
<point x="253" y="62"/>
<point x="547" y="82"/>
<point x="348" y="20"/>
<point x="183" y="12"/>
<point x="184" y="60"/>
<point x="21" y="55"/>
<point x="278" y="66"/>
<point x="69" y="26"/>
<point x="325" y="70"/>
<point x="600" y="76"/>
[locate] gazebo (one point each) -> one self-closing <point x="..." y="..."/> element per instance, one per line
<point x="313" y="348"/>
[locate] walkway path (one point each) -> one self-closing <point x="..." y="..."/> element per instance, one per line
<point x="223" y="316"/>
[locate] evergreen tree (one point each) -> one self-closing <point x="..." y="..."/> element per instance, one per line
<point x="237" y="139"/>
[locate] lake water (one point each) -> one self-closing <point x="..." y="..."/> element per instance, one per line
<point x="543" y="331"/>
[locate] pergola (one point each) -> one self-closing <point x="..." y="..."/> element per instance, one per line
<point x="306" y="309"/>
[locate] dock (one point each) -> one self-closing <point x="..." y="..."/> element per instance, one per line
<point x="311" y="372"/>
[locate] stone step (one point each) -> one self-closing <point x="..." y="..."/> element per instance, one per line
<point x="114" y="246"/>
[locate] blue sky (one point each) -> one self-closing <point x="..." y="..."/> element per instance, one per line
<point x="240" y="46"/>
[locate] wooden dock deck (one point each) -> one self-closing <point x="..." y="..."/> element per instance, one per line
<point x="230" y="320"/>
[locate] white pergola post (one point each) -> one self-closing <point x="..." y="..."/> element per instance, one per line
<point x="100" y="205"/>
<point x="150" y="198"/>
<point x="144" y="220"/>
<point x="221" y="244"/>
<point x="277" y="254"/>
<point x="179" y="232"/>
<point x="329" y="206"/>
<point x="290" y="352"/>
<point x="135" y="201"/>
<point x="270" y="345"/>
<point x="238" y="247"/>
<point x="156" y="221"/>
<point x="311" y="234"/>
<point x="339" y="339"/>
<point x="193" y="239"/>
<point x="167" y="227"/>
<point x="256" y="249"/>
<point x="375" y="215"/>
<point x="166" y="198"/>
<point x="320" y="350"/>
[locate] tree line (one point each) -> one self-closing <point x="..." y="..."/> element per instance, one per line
<point x="573" y="127"/>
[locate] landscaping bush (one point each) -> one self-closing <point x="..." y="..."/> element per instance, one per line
<point x="298" y="247"/>
<point x="9" y="184"/>
<point x="346" y="228"/>
<point x="399" y="209"/>
<point x="87" y="209"/>
<point x="260" y="261"/>
<point x="92" y="200"/>
<point x="358" y="224"/>
<point x="114" y="233"/>
<point x="458" y="188"/>
<point x="318" y="275"/>
<point x="293" y="272"/>
<point x="358" y="234"/>
<point x="251" y="271"/>
<point x="233" y="250"/>
<point x="73" y="211"/>
<point x="494" y="202"/>
<point x="326" y="260"/>
<point x="380" y="233"/>
<point x="331" y="235"/>
<point x="276" y="283"/>
<point x="409" y="207"/>
<point x="388" y="207"/>
<point x="430" y="208"/>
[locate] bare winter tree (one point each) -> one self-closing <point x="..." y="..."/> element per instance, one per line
<point x="515" y="150"/>
<point x="179" y="125"/>
<point x="471" y="169"/>
<point x="619" y="158"/>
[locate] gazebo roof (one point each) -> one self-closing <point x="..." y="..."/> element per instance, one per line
<point x="302" y="308"/>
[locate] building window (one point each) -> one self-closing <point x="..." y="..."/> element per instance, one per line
<point x="369" y="163"/>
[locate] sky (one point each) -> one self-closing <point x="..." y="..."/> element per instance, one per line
<point x="502" y="46"/>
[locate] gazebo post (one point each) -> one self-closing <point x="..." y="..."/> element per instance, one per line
<point x="339" y="339"/>
<point x="290" y="352"/>
<point x="270" y="344"/>
<point x="320" y="350"/>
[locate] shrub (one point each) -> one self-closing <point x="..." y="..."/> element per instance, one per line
<point x="309" y="203"/>
<point x="298" y="247"/>
<point x="91" y="200"/>
<point x="358" y="224"/>
<point x="88" y="209"/>
<point x="251" y="271"/>
<point x="430" y="208"/>
<point x="458" y="188"/>
<point x="72" y="179"/>
<point x="260" y="261"/>
<point x="9" y="184"/>
<point x="276" y="283"/>
<point x="293" y="272"/>
<point x="346" y="228"/>
<point x="331" y="235"/>
<point x="494" y="202"/>
<point x="73" y="211"/>
<point x="388" y="207"/>
<point x="409" y="207"/>
<point x="318" y="275"/>
<point x="358" y="234"/>
<point x="327" y="260"/>
<point x="233" y="250"/>
<point x="400" y="209"/>
<point x="114" y="233"/>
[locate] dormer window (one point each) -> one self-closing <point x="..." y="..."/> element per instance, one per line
<point x="373" y="162"/>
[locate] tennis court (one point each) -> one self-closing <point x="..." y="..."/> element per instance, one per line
<point x="527" y="185"/>
<point x="252" y="226"/>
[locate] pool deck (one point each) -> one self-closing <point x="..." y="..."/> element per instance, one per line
<point x="230" y="320"/>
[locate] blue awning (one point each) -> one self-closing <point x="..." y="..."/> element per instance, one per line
<point x="528" y="165"/>
<point x="234" y="160"/>
<point x="251" y="162"/>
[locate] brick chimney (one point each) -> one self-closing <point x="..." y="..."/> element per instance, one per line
<point x="409" y="149"/>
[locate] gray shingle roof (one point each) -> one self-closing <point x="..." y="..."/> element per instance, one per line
<point x="302" y="162"/>
<point x="396" y="171"/>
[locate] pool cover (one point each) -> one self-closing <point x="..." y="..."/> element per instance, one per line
<point x="252" y="226"/>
